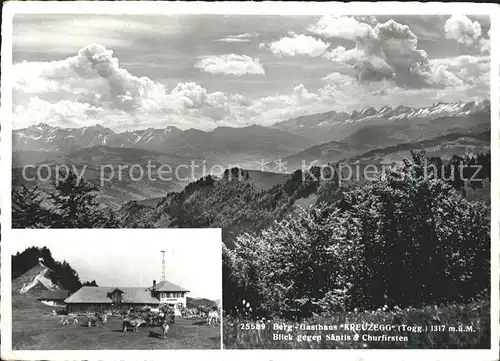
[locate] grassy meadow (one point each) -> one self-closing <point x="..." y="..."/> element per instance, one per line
<point x="455" y="327"/>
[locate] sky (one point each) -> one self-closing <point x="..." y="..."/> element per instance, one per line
<point x="205" y="71"/>
<point x="132" y="257"/>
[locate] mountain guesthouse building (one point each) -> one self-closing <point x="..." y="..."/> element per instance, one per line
<point x="114" y="298"/>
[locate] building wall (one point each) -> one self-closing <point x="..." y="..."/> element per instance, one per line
<point x="93" y="307"/>
<point x="172" y="298"/>
<point x="53" y="303"/>
<point x="87" y="307"/>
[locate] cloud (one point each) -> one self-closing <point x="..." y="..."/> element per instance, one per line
<point x="344" y="27"/>
<point x="65" y="112"/>
<point x="297" y="45"/>
<point x="386" y="51"/>
<point x="233" y="40"/>
<point x="238" y="38"/>
<point x="470" y="70"/>
<point x="95" y="75"/>
<point x="42" y="31"/>
<point x="346" y="93"/>
<point x="300" y="101"/>
<point x="463" y="30"/>
<point x="350" y="92"/>
<point x="230" y="64"/>
<point x="91" y="86"/>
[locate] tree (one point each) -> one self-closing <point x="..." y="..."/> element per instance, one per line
<point x="74" y="204"/>
<point x="407" y="239"/>
<point x="90" y="284"/>
<point x="61" y="274"/>
<point x="27" y="209"/>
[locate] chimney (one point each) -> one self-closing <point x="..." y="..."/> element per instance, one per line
<point x="154" y="285"/>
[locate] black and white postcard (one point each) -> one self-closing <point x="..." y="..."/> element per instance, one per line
<point x="343" y="151"/>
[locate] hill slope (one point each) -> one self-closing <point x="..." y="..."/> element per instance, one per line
<point x="122" y="173"/>
<point x="357" y="147"/>
<point x="34" y="270"/>
<point x="36" y="280"/>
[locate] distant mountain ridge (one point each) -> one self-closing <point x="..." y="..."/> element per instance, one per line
<point x="221" y="143"/>
<point x="349" y="138"/>
<point x="286" y="136"/>
<point x="339" y="125"/>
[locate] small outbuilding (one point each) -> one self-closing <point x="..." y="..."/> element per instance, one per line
<point x="53" y="298"/>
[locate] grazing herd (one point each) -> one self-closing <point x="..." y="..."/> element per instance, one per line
<point x="163" y="317"/>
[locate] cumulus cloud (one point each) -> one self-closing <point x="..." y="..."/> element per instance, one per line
<point x="463" y="30"/>
<point x="283" y="106"/>
<point x="350" y="92"/>
<point x="386" y="51"/>
<point x="346" y="93"/>
<point x="297" y="45"/>
<point x="93" y="74"/>
<point x="187" y="105"/>
<point x="230" y="64"/>
<point x="344" y="27"/>
<point x="91" y="86"/>
<point x="62" y="112"/>
<point x="470" y="70"/>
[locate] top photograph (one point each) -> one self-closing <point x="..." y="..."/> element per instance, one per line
<point x="235" y="121"/>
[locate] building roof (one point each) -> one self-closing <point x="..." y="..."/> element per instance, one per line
<point x="53" y="295"/>
<point x="166" y="286"/>
<point x="88" y="294"/>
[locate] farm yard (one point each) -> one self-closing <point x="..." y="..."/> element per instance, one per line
<point x="35" y="328"/>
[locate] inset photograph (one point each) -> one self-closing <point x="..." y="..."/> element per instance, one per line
<point x="107" y="291"/>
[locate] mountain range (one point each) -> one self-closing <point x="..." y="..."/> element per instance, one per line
<point x="331" y="126"/>
<point x="223" y="145"/>
<point x="444" y="128"/>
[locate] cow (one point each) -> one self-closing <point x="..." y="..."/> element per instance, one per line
<point x="133" y="323"/>
<point x="68" y="320"/>
<point x="213" y="317"/>
<point x="96" y="319"/>
<point x="190" y="312"/>
<point x="165" y="327"/>
<point x="153" y="319"/>
<point x="167" y="318"/>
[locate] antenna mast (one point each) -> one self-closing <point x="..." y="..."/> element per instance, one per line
<point x="163" y="266"/>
